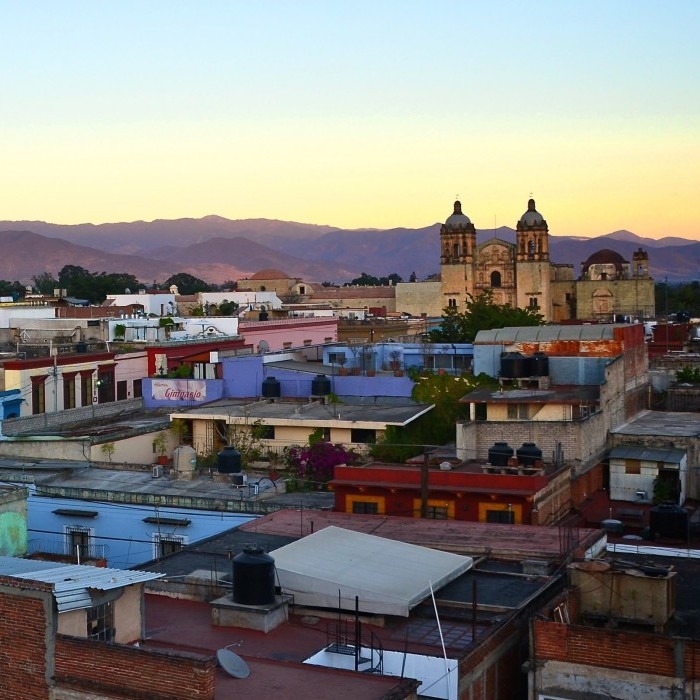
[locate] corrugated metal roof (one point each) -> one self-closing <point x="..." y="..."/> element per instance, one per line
<point x="72" y="582"/>
<point x="647" y="454"/>
<point x="545" y="333"/>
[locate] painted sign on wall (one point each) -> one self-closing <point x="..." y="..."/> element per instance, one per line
<point x="179" y="390"/>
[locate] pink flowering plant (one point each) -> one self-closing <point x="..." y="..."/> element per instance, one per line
<point x="313" y="466"/>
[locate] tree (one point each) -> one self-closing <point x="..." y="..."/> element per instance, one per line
<point x="437" y="427"/>
<point x="365" y="280"/>
<point x="187" y="284"/>
<point x="227" y="308"/>
<point x="8" y="289"/>
<point x="481" y="314"/>
<point x="45" y="283"/>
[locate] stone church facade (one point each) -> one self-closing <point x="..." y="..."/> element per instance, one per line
<point x="522" y="275"/>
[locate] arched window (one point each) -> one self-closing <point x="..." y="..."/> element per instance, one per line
<point x="452" y="303"/>
<point x="531" y="248"/>
<point x="455" y="249"/>
<point x="495" y="278"/>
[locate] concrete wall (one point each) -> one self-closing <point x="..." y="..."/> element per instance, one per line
<point x="13" y="521"/>
<point x="417" y="298"/>
<point x="48" y="421"/>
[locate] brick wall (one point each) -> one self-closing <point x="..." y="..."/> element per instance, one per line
<point x="614" y="649"/>
<point x="25" y="614"/>
<point x="133" y="673"/>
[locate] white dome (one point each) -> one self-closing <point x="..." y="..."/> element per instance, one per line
<point x="531" y="217"/>
<point x="457" y="219"/>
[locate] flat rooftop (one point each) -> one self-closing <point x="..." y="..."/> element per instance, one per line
<point x="661" y="424"/>
<point x="555" y="394"/>
<point x="285" y="411"/>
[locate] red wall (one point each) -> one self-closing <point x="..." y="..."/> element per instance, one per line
<point x="401" y="485"/>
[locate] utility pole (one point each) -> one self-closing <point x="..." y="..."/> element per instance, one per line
<point x="424" y="484"/>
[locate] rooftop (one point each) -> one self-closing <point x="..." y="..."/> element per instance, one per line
<point x="661" y="424"/>
<point x="291" y="412"/>
<point x="546" y="333"/>
<point x="556" y="394"/>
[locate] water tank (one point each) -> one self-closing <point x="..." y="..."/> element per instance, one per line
<point x="184" y="458"/>
<point x="528" y="453"/>
<point x="669" y="520"/>
<point x="81" y="347"/>
<point x="271" y="388"/>
<point x="253" y="577"/>
<point x="321" y="386"/>
<point x="539" y="364"/>
<point x="513" y="365"/>
<point x="500" y="453"/>
<point x="229" y="460"/>
<point x="263" y="315"/>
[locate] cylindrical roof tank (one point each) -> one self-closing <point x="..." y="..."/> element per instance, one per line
<point x="271" y="388"/>
<point x="185" y="458"/>
<point x="500" y="453"/>
<point x="253" y="577"/>
<point x="669" y="520"/>
<point x="513" y="365"/>
<point x="229" y="460"/>
<point x="528" y="454"/>
<point x="321" y="385"/>
<point x="540" y="364"/>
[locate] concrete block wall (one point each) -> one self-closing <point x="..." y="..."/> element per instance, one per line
<point x="47" y="421"/>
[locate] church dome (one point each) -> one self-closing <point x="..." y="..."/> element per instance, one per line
<point x="457" y="220"/>
<point x="605" y="256"/>
<point x="269" y="274"/>
<point x="531" y="217"/>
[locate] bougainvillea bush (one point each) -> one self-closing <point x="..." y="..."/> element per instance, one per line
<point x="314" y="464"/>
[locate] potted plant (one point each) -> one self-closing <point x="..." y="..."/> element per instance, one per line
<point x="119" y="330"/>
<point x="160" y="445"/>
<point x="341" y="360"/>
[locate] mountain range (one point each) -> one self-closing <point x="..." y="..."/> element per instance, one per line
<point x="218" y="249"/>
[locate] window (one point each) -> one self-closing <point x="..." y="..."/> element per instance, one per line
<point x="436" y="512"/>
<point x="363" y="435"/>
<point x="496" y="279"/>
<point x="163" y="545"/>
<point x="69" y="390"/>
<point x="264" y="432"/>
<point x="452" y="303"/>
<point x="105" y="387"/>
<point x="500" y="516"/>
<point x="138" y="391"/>
<point x="86" y="388"/>
<point x="533" y="303"/>
<point x="633" y="466"/>
<point x="336" y="358"/>
<point x="365" y="508"/>
<point x="518" y="411"/>
<point x="302" y="289"/>
<point x="100" y="622"/>
<point x="78" y="542"/>
<point x="38" y="395"/>
<point x="121" y="390"/>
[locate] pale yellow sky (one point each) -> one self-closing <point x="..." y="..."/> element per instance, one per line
<point x="372" y="116"/>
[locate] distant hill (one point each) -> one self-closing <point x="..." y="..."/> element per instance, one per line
<point x="218" y="249"/>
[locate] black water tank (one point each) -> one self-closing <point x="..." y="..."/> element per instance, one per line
<point x="271" y="388"/>
<point x="500" y="453"/>
<point x="528" y="454"/>
<point x="229" y="460"/>
<point x="513" y="365"/>
<point x="81" y="347"/>
<point x="540" y="364"/>
<point x="263" y="316"/>
<point x="669" y="520"/>
<point x="253" y="577"/>
<point x="321" y="386"/>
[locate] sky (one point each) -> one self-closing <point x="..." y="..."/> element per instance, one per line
<point x="356" y="114"/>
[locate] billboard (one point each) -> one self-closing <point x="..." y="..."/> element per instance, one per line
<point x="179" y="389"/>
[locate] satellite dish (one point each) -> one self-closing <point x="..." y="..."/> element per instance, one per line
<point x="233" y="664"/>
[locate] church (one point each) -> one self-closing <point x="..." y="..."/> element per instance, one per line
<point x="521" y="274"/>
